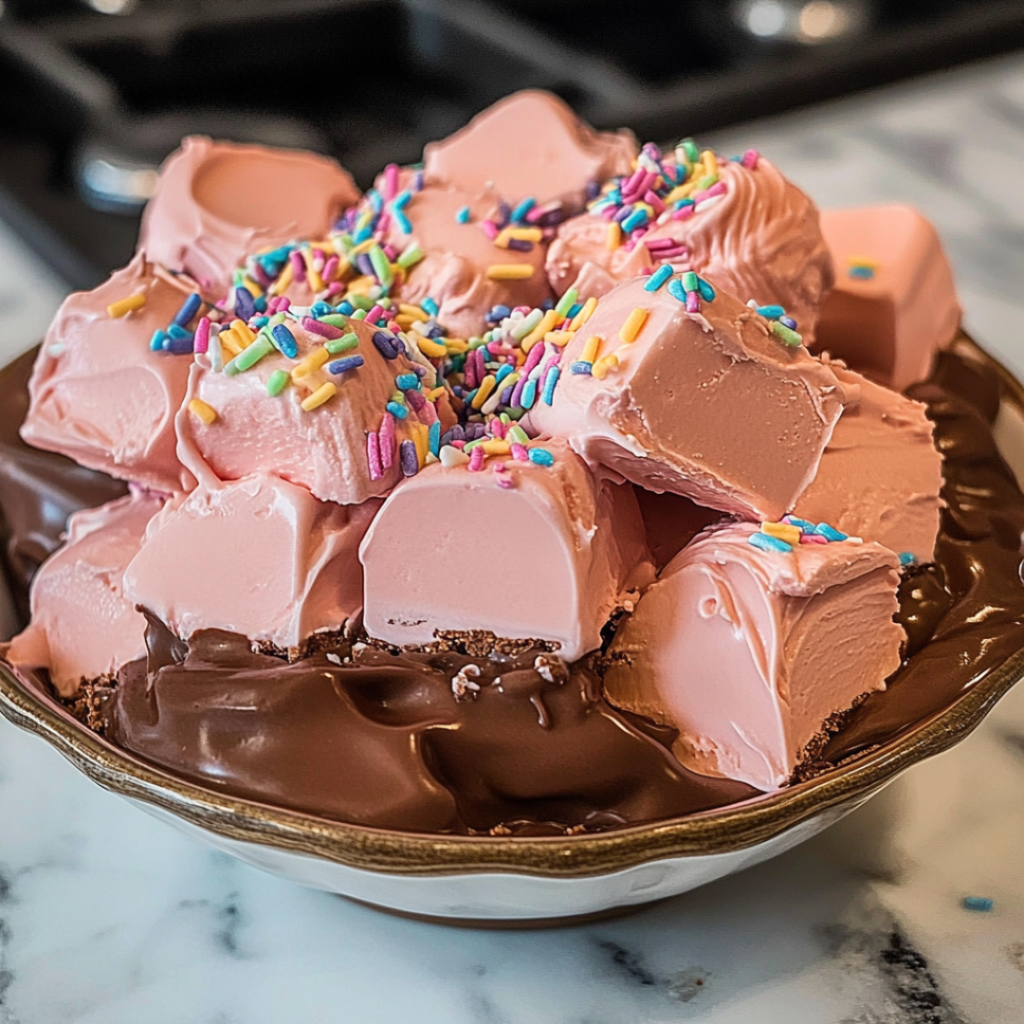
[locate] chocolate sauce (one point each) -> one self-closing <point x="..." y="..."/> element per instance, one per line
<point x="374" y="738"/>
<point x="461" y="742"/>
<point x="38" y="490"/>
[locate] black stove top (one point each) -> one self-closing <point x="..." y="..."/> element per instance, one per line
<point x="90" y="102"/>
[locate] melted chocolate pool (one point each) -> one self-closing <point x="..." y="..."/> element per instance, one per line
<point x="518" y="743"/>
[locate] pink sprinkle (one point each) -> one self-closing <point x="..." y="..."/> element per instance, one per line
<point x="298" y="265"/>
<point x="506" y="482"/>
<point x="499" y="467"/>
<point x="476" y="459"/>
<point x="386" y="442"/>
<point x="489" y="228"/>
<point x="394" y="327"/>
<point x="258" y="274"/>
<point x="684" y="213"/>
<point x="390" y="181"/>
<point x="283" y="303"/>
<point x="470" y="379"/>
<point x="373" y="456"/>
<point x="390" y="251"/>
<point x="533" y="358"/>
<point x="384" y="222"/>
<point x="202" y="337"/>
<point x="498" y="430"/>
<point x="416" y="400"/>
<point x="375" y="313"/>
<point x="653" y="200"/>
<point x="519" y="452"/>
<point x="317" y="327"/>
<point x="646" y="271"/>
<point x="319" y="260"/>
<point x="692" y="302"/>
<point x="609" y="212"/>
<point x="813" y="538"/>
<point x="718" y="189"/>
<point x="428" y="414"/>
<point x="335" y="288"/>
<point x="458" y="444"/>
<point x="634" y="180"/>
<point x="330" y="271"/>
<point x="750" y="159"/>
<point x="521" y="309"/>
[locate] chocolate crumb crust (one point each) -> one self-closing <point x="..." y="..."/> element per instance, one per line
<point x="354" y="730"/>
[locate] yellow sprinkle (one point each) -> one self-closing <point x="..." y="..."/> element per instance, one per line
<point x="434" y="394"/>
<point x="283" y="283"/>
<point x="863" y="261"/>
<point x="486" y="387"/>
<point x="584" y="314"/>
<point x="405" y="321"/>
<point x="430" y="348"/>
<point x="361" y="285"/>
<point x="613" y="237"/>
<point x="710" y="162"/>
<point x="604" y="364"/>
<point x="420" y="438"/>
<point x="496" y="447"/>
<point x="324" y="393"/>
<point x="633" y="325"/>
<point x="252" y="287"/>
<point x="559" y="338"/>
<point x="406" y="310"/>
<point x="519" y="234"/>
<point x="590" y="348"/>
<point x="546" y="324"/>
<point x="241" y="328"/>
<point x="784" y="531"/>
<point x="312" y="362"/>
<point x="229" y="340"/>
<point x="457" y="345"/>
<point x="681" y="192"/>
<point x="202" y="411"/>
<point x="646" y="207"/>
<point x="124" y="306"/>
<point x="358" y="250"/>
<point x="509" y="271"/>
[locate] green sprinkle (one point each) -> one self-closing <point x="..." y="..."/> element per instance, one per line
<point x="527" y="324"/>
<point x="343" y="344"/>
<point x="707" y="182"/>
<point x="363" y="302"/>
<point x="334" y="319"/>
<point x="567" y="301"/>
<point x="381" y="266"/>
<point x="785" y="335"/>
<point x="277" y="382"/>
<point x="691" y="283"/>
<point x="360" y="314"/>
<point x="410" y="256"/>
<point x="249" y="357"/>
<point x="517" y="433"/>
<point x="691" y="149"/>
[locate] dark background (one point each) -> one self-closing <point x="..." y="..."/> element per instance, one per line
<point x="94" y="93"/>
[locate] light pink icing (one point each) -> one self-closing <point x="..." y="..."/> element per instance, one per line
<point x="218" y="202"/>
<point x="260" y="557"/>
<point x="530" y="144"/>
<point x="760" y="241"/>
<point x="881" y="474"/>
<point x="99" y="395"/>
<point x="747" y="652"/>
<point x="323" y="450"/>
<point x="547" y="556"/>
<point x="889" y="326"/>
<point x="83" y="625"/>
<point x="709" y="405"/>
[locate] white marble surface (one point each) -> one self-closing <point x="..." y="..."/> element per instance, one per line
<point x="108" y="917"/>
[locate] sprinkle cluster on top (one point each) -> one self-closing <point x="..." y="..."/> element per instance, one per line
<point x="785" y="536"/>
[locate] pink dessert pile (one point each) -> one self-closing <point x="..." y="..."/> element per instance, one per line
<point x="621" y="402"/>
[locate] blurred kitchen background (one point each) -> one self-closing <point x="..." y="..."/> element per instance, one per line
<point x="95" y="93"/>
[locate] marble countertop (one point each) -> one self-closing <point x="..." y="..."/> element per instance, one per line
<point x="109" y="917"/>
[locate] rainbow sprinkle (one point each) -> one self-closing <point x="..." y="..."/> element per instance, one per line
<point x="785" y="536"/>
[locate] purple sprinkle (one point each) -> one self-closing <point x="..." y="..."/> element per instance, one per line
<point x="245" y="305"/>
<point x="517" y="392"/>
<point x="416" y="400"/>
<point x="622" y="214"/>
<point x="365" y="265"/>
<point x="520" y="245"/>
<point x="410" y="460"/>
<point x="504" y="213"/>
<point x="593" y="189"/>
<point x="385" y="344"/>
<point x="788" y="321"/>
<point x="343" y="365"/>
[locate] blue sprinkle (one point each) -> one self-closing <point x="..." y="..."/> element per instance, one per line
<point x="788" y="321"/>
<point x="800" y="524"/>
<point x="574" y="309"/>
<point x="683" y="202"/>
<point x="410" y="460"/>
<point x="907" y="558"/>
<point x="676" y="290"/>
<point x="830" y="533"/>
<point x="463" y="215"/>
<point x="178" y="346"/>
<point x="862" y="273"/>
<point x="547" y="304"/>
<point x="406" y="381"/>
<point x="658" y="278"/>
<point x="615" y="196"/>
<point x="637" y="219"/>
<point x="385" y="344"/>
<point x="284" y="341"/>
<point x="346" y="308"/>
<point x="430" y="306"/>
<point x="401" y="201"/>
<point x="189" y="309"/>
<point x="980" y="903"/>
<point x="581" y="368"/>
<point x="771" y="312"/>
<point x="261" y="304"/>
<point x="707" y="293"/>
<point x="178" y="333"/>
<point x="434" y="437"/>
<point x="520" y="212"/>
<point x="244" y="304"/>
<point x="766" y="543"/>
<point x="503" y="373"/>
<point x="541" y="457"/>
<point x="397" y="410"/>
<point x="529" y="395"/>
<point x="404" y="224"/>
<point x="319" y="309"/>
<point x="497" y="314"/>
<point x="156" y="343"/>
<point x="550" y="381"/>
<point x="376" y="200"/>
<point x="346" y="364"/>
<point x="362" y="235"/>
<point x="260" y="321"/>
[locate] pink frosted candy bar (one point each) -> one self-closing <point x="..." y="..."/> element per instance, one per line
<point x="99" y="394"/>
<point x="217" y="203"/>
<point x="83" y="625"/>
<point x="543" y="552"/>
<point x="749" y="652"/>
<point x="888" y="323"/>
<point x="264" y="558"/>
<point x="710" y="405"/>
<point x="881" y="474"/>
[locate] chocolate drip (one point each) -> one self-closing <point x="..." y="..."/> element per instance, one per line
<point x="38" y="490"/>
